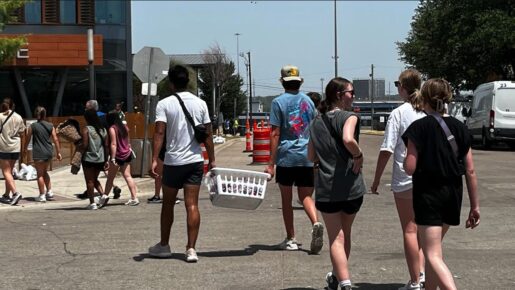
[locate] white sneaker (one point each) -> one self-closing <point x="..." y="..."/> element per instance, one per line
<point x="289" y="245"/>
<point x="410" y="286"/>
<point x="92" y="206"/>
<point x="422" y="280"/>
<point x="132" y="202"/>
<point x="191" y="256"/>
<point x="49" y="194"/>
<point x="103" y="201"/>
<point x="16" y="198"/>
<point x="160" y="251"/>
<point x="41" y="198"/>
<point x="317" y="238"/>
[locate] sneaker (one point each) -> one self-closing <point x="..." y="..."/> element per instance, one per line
<point x="177" y="201"/>
<point x="6" y="198"/>
<point x="160" y="251"/>
<point x="289" y="245"/>
<point x="49" y="195"/>
<point x="16" y="197"/>
<point x="92" y="206"/>
<point x="132" y="202"/>
<point x="83" y="195"/>
<point x="317" y="238"/>
<point x="346" y="287"/>
<point x="117" y="192"/>
<point x="410" y="286"/>
<point x="332" y="281"/>
<point x="41" y="198"/>
<point x="191" y="256"/>
<point x="422" y="280"/>
<point x="103" y="201"/>
<point x="155" y="199"/>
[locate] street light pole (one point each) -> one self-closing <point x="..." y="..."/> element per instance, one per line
<point x="238" y="51"/>
<point x="322" y="87"/>
<point x="250" y="91"/>
<point x="335" y="43"/>
<point x="91" y="59"/>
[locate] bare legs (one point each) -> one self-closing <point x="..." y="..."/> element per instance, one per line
<point x="412" y="252"/>
<point x="91" y="177"/>
<point x="7" y="170"/>
<point x="287" y="209"/>
<point x="437" y="272"/>
<point x="43" y="177"/>
<point x="191" y="193"/>
<point x="338" y="227"/>
<point x="126" y="172"/>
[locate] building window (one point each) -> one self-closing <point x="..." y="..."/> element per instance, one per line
<point x="86" y="11"/>
<point x="68" y="11"/>
<point x="50" y="11"/>
<point x="33" y="12"/>
<point x="110" y="11"/>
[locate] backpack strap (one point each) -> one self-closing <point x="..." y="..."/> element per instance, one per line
<point x="447" y="132"/>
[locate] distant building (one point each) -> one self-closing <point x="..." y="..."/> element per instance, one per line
<point x="362" y="89"/>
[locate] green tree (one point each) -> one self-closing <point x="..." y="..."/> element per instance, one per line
<point x="220" y="74"/>
<point x="466" y="42"/>
<point x="9" y="45"/>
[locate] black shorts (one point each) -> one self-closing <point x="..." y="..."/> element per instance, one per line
<point x="94" y="165"/>
<point x="435" y="207"/>
<point x="9" y="155"/>
<point x="348" y="206"/>
<point x="122" y="162"/>
<point x="177" y="176"/>
<point x="298" y="176"/>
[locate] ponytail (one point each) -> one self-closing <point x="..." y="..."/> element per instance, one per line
<point x="323" y="107"/>
<point x="415" y="99"/>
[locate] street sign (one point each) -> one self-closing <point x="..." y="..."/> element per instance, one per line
<point x="148" y="65"/>
<point x="150" y="62"/>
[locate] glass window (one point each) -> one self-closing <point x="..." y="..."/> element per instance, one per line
<point x="68" y="11"/>
<point x="33" y="12"/>
<point x="110" y="11"/>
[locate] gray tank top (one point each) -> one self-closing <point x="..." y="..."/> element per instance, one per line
<point x="41" y="140"/>
<point x="335" y="180"/>
<point x="95" y="151"/>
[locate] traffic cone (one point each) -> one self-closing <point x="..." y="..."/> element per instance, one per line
<point x="248" y="141"/>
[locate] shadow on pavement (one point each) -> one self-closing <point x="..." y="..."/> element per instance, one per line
<point x="297" y="288"/>
<point x="259" y="247"/>
<point x="379" y="286"/>
<point x="212" y="254"/>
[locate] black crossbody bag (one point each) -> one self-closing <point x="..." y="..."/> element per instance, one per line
<point x="447" y="132"/>
<point x="200" y="130"/>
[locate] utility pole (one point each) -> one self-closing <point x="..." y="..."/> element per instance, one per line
<point x="238" y="51"/>
<point x="322" y="87"/>
<point x="250" y="91"/>
<point x="335" y="43"/>
<point x="372" y="96"/>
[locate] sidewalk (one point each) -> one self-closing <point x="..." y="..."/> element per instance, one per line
<point x="67" y="186"/>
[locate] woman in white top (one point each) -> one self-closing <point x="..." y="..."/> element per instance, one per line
<point x="12" y="127"/>
<point x="408" y="86"/>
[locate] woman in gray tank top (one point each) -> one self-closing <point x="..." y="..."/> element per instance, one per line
<point x="339" y="185"/>
<point x="43" y="133"/>
<point x="94" y="158"/>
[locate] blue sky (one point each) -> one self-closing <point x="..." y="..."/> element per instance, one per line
<point x="282" y="32"/>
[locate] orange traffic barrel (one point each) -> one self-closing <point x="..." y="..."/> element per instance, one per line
<point x="261" y="153"/>
<point x="206" y="157"/>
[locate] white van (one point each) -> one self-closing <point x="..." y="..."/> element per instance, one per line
<point x="492" y="115"/>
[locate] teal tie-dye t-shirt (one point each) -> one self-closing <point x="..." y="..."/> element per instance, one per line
<point x="292" y="114"/>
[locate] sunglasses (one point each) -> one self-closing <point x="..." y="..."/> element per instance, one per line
<point x="348" y="91"/>
<point x="397" y="84"/>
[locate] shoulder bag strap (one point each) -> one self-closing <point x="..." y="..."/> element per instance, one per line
<point x="6" y="119"/>
<point x="447" y="132"/>
<point x="186" y="113"/>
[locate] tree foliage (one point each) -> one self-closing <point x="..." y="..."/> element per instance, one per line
<point x="220" y="75"/>
<point x="9" y="45"/>
<point x="466" y="42"/>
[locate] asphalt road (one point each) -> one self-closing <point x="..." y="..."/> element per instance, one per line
<point x="59" y="245"/>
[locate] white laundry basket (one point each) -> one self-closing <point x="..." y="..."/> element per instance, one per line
<point x="235" y="188"/>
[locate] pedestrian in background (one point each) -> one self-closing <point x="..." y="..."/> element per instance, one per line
<point x="439" y="154"/>
<point x="94" y="158"/>
<point x="334" y="137"/>
<point x="290" y="117"/>
<point x="43" y="133"/>
<point x="316" y="98"/>
<point x="183" y="161"/>
<point x="11" y="130"/>
<point x="120" y="157"/>
<point x="408" y="87"/>
<point x="235" y="127"/>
